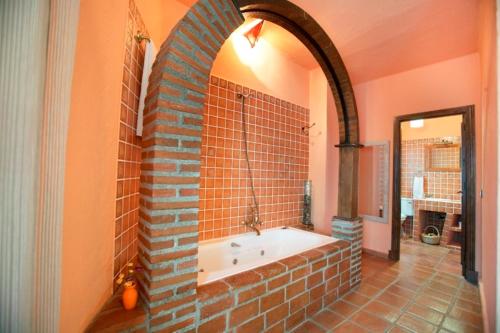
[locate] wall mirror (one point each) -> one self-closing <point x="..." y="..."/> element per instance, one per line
<point x="442" y="157"/>
<point x="373" y="187"/>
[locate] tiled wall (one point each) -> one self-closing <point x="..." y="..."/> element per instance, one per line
<point x="129" y="149"/>
<point x="442" y="185"/>
<point x="278" y="150"/>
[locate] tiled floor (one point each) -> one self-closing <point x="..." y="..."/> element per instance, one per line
<point x="423" y="292"/>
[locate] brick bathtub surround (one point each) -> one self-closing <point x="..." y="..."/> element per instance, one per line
<point x="352" y="231"/>
<point x="278" y="151"/>
<point x="279" y="296"/>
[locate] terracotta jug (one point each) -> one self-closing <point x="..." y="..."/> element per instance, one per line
<point x="129" y="296"/>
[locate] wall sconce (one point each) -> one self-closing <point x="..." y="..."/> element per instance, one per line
<point x="253" y="33"/>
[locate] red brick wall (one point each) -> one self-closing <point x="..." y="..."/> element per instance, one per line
<point x="173" y="119"/>
<point x="278" y="151"/>
<point x="129" y="148"/>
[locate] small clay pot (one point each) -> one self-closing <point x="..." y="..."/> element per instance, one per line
<point x="129" y="296"/>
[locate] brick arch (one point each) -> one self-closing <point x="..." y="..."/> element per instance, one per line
<point x="173" y="119"/>
<point x="309" y="32"/>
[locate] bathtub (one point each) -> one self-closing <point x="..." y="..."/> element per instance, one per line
<point x="220" y="258"/>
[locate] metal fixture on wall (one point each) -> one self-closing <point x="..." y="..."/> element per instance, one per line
<point x="305" y="129"/>
<point x="139" y="37"/>
<point x="306" y="215"/>
<point x="254" y="217"/>
<point x="253" y="33"/>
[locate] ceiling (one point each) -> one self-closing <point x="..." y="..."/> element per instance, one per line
<point x="384" y="37"/>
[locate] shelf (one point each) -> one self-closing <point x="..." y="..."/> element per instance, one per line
<point x="456" y="229"/>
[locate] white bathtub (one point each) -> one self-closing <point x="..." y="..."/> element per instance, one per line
<point x="231" y="255"/>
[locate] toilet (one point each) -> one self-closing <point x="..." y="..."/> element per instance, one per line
<point x="406" y="208"/>
<point x="406" y="211"/>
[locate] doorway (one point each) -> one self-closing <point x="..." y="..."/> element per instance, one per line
<point x="456" y="229"/>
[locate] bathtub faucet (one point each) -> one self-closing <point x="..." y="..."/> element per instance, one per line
<point x="253" y="220"/>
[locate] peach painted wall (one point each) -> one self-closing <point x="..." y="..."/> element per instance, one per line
<point x="263" y="68"/>
<point x="160" y="17"/>
<point x="488" y="208"/>
<point x="323" y="156"/>
<point x="91" y="172"/>
<point x="317" y="147"/>
<point x="90" y="181"/>
<point x="442" y="85"/>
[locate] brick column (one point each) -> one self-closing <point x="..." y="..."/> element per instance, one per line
<point x="352" y="231"/>
<point x="173" y="119"/>
<point x="348" y="226"/>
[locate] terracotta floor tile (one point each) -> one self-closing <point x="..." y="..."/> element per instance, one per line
<point x="469" y="306"/>
<point x="447" y="298"/>
<point x="350" y="327"/>
<point x="426" y="313"/>
<point x="466" y="316"/>
<point x="403" y="292"/>
<point x="407" y="284"/>
<point x="368" y="290"/>
<point x="469" y="296"/>
<point x="415" y="324"/>
<point x="377" y="283"/>
<point x="394" y="300"/>
<point x="456" y="326"/>
<point x="423" y="292"/>
<point x="398" y="329"/>
<point x="370" y="322"/>
<point x="309" y="327"/>
<point x="382" y="310"/>
<point x="443" y="288"/>
<point x="328" y="319"/>
<point x="343" y="308"/>
<point x="356" y="298"/>
<point x="432" y="303"/>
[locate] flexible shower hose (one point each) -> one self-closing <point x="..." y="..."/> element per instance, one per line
<point x="245" y="143"/>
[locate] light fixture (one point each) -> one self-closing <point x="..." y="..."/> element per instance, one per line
<point x="419" y="123"/>
<point x="253" y="33"/>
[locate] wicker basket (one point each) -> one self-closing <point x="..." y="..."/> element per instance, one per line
<point x="433" y="239"/>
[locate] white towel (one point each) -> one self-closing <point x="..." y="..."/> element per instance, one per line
<point x="418" y="187"/>
<point x="149" y="58"/>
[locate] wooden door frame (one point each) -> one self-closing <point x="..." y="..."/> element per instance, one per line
<point x="468" y="185"/>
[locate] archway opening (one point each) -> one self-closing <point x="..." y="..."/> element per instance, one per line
<point x="172" y="137"/>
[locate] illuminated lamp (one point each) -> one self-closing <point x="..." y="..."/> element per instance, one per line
<point x="253" y="33"/>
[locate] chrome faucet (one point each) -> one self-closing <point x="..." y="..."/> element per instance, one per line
<point x="252" y="221"/>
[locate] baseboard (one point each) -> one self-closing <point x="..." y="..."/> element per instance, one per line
<point x="374" y="253"/>
<point x="483" y="307"/>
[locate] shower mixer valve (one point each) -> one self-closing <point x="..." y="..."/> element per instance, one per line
<point x="252" y="221"/>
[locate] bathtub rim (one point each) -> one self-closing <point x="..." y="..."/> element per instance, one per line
<point x="218" y="240"/>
